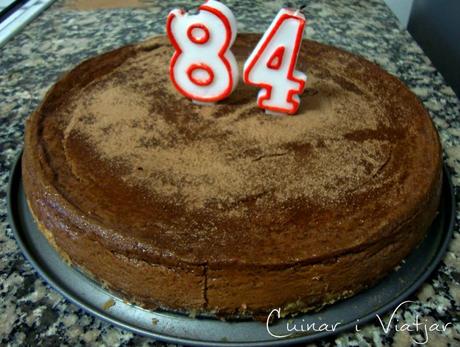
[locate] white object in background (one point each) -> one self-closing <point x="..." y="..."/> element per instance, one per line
<point x="402" y="9"/>
<point x="5" y="3"/>
<point x="21" y="17"/>
<point x="271" y="64"/>
<point x="203" y="68"/>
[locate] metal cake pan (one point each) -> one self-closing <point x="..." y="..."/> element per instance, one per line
<point x="177" y="328"/>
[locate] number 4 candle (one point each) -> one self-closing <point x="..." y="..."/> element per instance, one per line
<point x="271" y="65"/>
<point x="202" y="67"/>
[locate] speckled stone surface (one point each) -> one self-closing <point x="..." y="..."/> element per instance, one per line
<point x="31" y="313"/>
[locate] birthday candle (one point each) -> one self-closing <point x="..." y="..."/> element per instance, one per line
<point x="271" y="65"/>
<point x="203" y="68"/>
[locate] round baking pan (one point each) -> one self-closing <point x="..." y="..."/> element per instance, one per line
<point x="177" y="328"/>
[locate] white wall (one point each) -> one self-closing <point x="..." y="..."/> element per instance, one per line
<point x="401" y="8"/>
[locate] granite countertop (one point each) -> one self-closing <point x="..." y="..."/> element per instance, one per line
<point x="31" y="313"/>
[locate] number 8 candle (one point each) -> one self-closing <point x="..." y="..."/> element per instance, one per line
<point x="271" y="64"/>
<point x="202" y="67"/>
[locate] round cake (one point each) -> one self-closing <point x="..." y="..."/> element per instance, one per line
<point x="222" y="209"/>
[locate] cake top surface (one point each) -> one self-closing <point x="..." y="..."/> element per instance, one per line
<point x="162" y="177"/>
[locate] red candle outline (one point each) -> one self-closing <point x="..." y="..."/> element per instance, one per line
<point x="198" y="40"/>
<point x="200" y="66"/>
<point x="276" y="59"/>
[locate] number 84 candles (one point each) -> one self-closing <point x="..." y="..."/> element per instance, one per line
<point x="204" y="69"/>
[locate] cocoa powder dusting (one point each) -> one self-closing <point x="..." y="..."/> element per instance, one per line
<point x="230" y="152"/>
